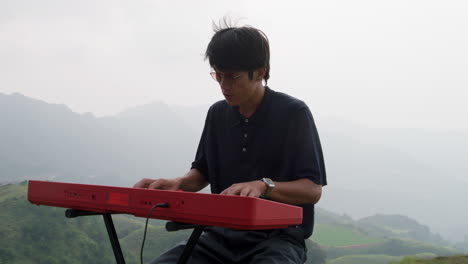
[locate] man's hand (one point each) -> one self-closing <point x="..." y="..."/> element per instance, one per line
<point x="251" y="189"/>
<point x="302" y="191"/>
<point x="193" y="181"/>
<point x="161" y="184"/>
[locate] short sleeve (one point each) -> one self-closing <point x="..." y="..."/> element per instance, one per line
<point x="304" y="148"/>
<point x="200" y="163"/>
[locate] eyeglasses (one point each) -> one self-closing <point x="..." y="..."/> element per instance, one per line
<point x="220" y="77"/>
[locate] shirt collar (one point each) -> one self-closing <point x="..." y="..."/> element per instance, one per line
<point x="261" y="110"/>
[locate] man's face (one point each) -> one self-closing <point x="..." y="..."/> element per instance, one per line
<point x="236" y="86"/>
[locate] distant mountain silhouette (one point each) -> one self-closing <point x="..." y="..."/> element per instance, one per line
<point x="413" y="172"/>
<point x="48" y="141"/>
<point x="417" y="173"/>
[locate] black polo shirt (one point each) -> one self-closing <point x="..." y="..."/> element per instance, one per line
<point x="279" y="141"/>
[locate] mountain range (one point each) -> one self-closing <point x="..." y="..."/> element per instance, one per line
<point x="413" y="172"/>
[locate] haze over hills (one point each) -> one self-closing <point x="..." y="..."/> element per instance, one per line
<point x="395" y="171"/>
<point x="45" y="141"/>
<point x="407" y="171"/>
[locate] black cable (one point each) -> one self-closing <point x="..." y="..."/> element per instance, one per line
<point x="160" y="205"/>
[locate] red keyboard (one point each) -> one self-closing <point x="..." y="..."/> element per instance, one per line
<point x="196" y="208"/>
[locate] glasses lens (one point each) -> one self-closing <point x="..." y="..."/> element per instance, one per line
<point x="216" y="76"/>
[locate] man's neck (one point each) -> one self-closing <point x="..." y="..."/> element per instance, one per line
<point x="248" y="108"/>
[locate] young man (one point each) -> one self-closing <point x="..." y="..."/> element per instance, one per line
<point x="258" y="143"/>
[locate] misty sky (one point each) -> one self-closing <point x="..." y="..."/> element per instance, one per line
<point x="396" y="63"/>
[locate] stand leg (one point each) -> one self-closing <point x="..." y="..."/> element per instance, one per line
<point x="190" y="244"/>
<point x="113" y="239"/>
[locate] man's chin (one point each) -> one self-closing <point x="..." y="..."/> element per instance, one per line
<point x="231" y="102"/>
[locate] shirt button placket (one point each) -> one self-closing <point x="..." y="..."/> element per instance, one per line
<point x="246" y="121"/>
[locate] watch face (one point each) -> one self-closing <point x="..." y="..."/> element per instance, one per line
<point x="268" y="181"/>
<point x="270" y="185"/>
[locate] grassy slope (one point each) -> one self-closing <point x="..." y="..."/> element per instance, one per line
<point x="11" y="191"/>
<point x="375" y="259"/>
<point x="33" y="234"/>
<point x="437" y="260"/>
<point x="392" y="247"/>
<point x="336" y="236"/>
<point x="345" y="243"/>
<point x="42" y="234"/>
<point x="364" y="259"/>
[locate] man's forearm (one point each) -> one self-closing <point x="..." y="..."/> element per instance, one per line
<point x="302" y="191"/>
<point x="193" y="181"/>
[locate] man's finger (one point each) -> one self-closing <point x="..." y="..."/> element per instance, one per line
<point x="254" y="194"/>
<point x="230" y="191"/>
<point x="157" y="184"/>
<point x="245" y="192"/>
<point x="143" y="183"/>
<point x="226" y="191"/>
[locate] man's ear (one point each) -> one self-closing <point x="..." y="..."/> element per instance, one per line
<point x="260" y="74"/>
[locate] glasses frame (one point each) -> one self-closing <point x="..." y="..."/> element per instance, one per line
<point x="221" y="77"/>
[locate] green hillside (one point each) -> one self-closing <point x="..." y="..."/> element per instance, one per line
<point x="399" y="226"/>
<point x="364" y="259"/>
<point x="376" y="259"/>
<point x="32" y="234"/>
<point x="372" y="240"/>
<point x="377" y="226"/>
<point x="436" y="260"/>
<point x="337" y="236"/>
<point x="391" y="247"/>
<point x="42" y="234"/>
<point x="12" y="191"/>
<point x="375" y="239"/>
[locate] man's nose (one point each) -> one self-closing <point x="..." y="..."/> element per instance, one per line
<point x="225" y="86"/>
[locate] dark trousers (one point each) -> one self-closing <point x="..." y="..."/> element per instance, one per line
<point x="228" y="246"/>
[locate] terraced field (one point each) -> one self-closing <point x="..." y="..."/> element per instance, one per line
<point x="340" y="236"/>
<point x="437" y="260"/>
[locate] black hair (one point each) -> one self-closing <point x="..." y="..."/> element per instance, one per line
<point x="239" y="48"/>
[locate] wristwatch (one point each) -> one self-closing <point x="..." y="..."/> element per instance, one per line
<point x="270" y="185"/>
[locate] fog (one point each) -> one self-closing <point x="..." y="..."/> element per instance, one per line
<point x="380" y="63"/>
<point x="386" y="66"/>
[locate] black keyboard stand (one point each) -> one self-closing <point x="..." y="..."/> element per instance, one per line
<point x="191" y="243"/>
<point x="170" y="226"/>
<point x="119" y="259"/>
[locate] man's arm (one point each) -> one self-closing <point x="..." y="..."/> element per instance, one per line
<point x="193" y="181"/>
<point x="301" y="191"/>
